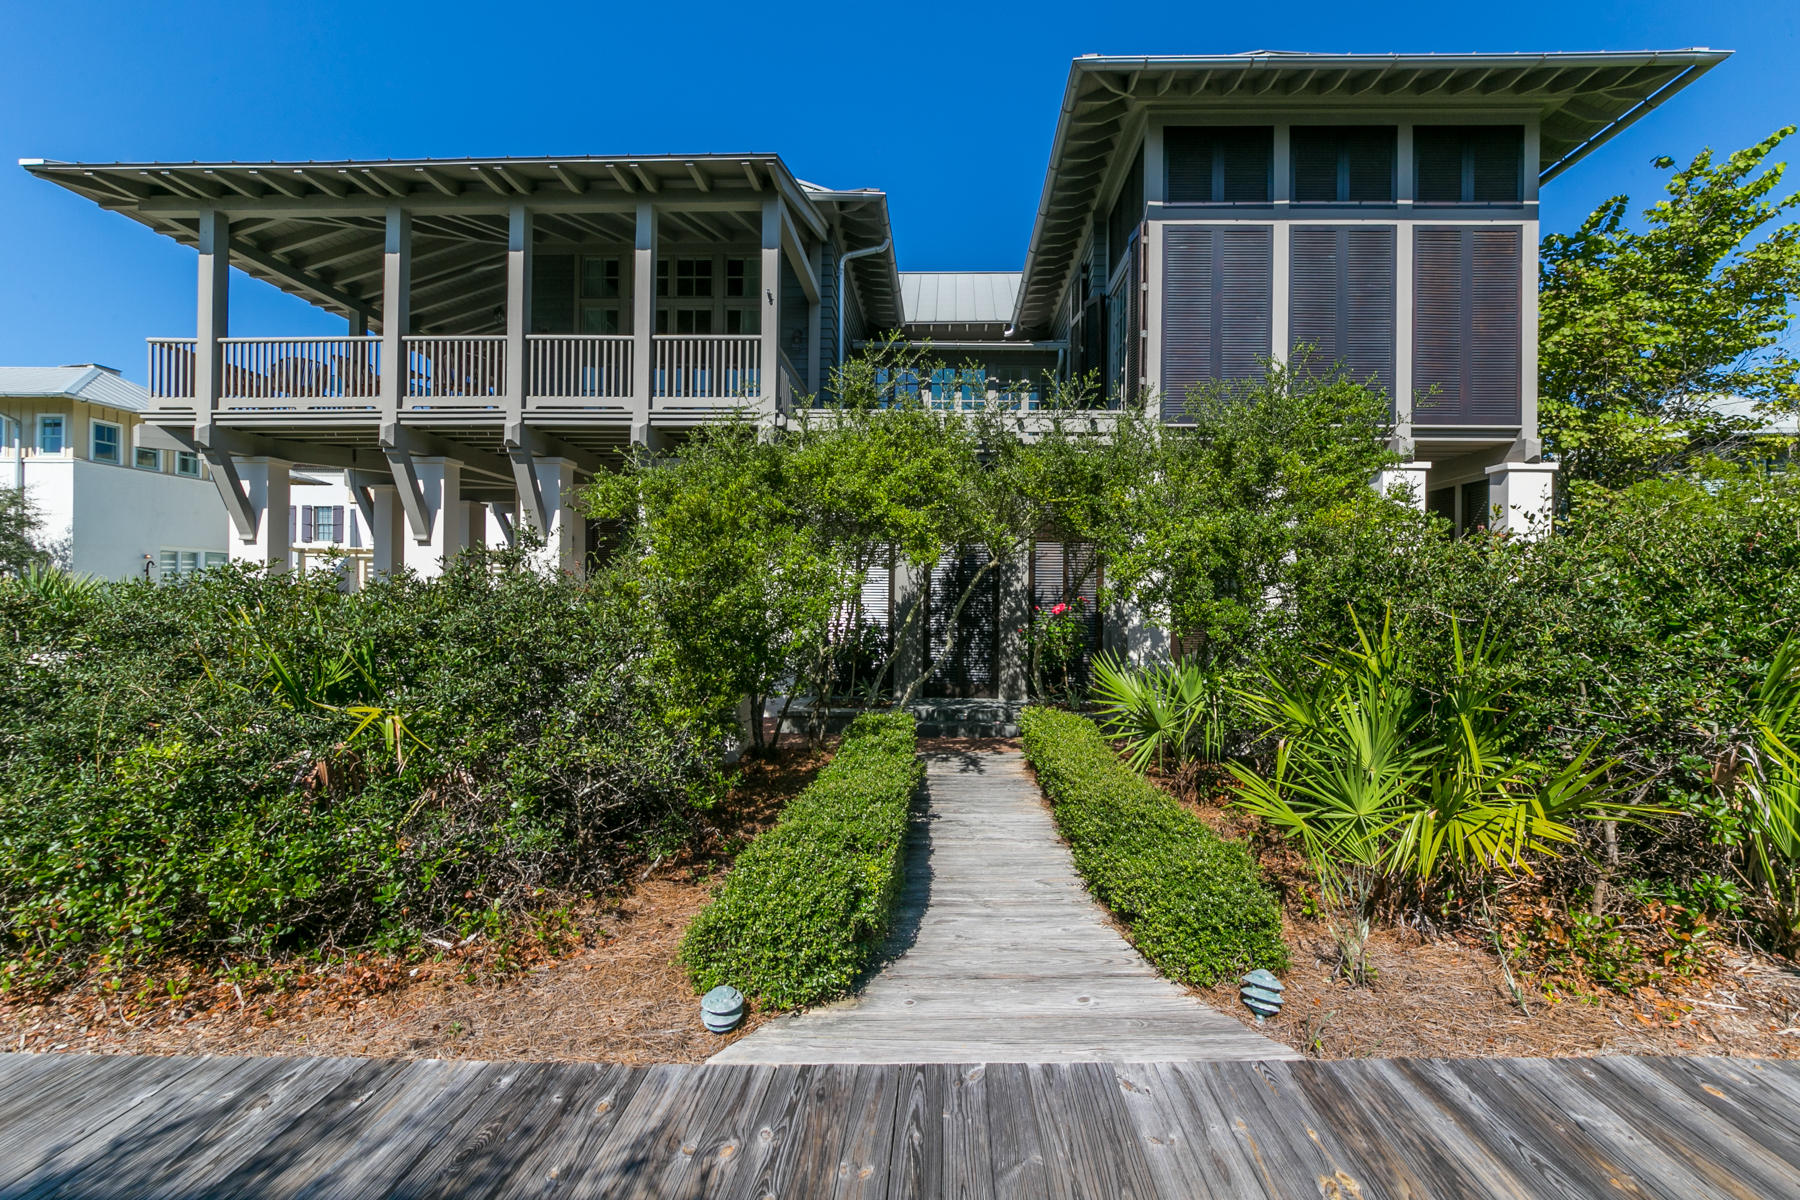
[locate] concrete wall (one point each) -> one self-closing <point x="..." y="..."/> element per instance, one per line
<point x="102" y="520"/>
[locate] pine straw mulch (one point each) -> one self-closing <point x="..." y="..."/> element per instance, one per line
<point x="601" y="984"/>
<point x="1444" y="993"/>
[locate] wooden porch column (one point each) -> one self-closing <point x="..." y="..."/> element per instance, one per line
<point x="518" y="318"/>
<point x="770" y="361"/>
<point x="643" y="321"/>
<point x="396" y="317"/>
<point x="212" y="319"/>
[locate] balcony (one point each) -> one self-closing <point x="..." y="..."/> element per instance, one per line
<point x="464" y="379"/>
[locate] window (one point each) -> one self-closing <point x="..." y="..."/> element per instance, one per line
<point x="685" y="278"/>
<point x="599" y="319"/>
<point x="741" y="278"/>
<point x="599" y="278"/>
<point x="684" y="320"/>
<point x="147" y="459"/>
<point x="50" y="435"/>
<point x="321" y="523"/>
<point x="1468" y="164"/>
<point x="216" y="558"/>
<point x="179" y="564"/>
<point x="105" y="442"/>
<point x="1219" y="165"/>
<point x="187" y="463"/>
<point x="1342" y="163"/>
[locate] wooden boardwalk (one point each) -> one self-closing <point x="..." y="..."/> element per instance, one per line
<point x="321" y="1129"/>
<point x="1000" y="955"/>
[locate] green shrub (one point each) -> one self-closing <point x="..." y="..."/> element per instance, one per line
<point x="807" y="906"/>
<point x="1193" y="902"/>
<point x="259" y="766"/>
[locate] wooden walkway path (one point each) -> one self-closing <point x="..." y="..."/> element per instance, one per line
<point x="1000" y="955"/>
<point x="323" y="1129"/>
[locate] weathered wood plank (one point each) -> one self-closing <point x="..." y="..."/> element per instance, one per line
<point x="576" y="1126"/>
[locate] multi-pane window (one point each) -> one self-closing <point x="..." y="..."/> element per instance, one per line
<point x="1342" y="163"/>
<point x="187" y="463"/>
<point x="1218" y="164"/>
<point x="320" y="523"/>
<point x="602" y="295"/>
<point x="741" y="278"/>
<point x="147" y="459"/>
<point x="106" y="442"/>
<point x="178" y="564"/>
<point x="1468" y="164"/>
<point x="50" y="434"/>
<point x="684" y="279"/>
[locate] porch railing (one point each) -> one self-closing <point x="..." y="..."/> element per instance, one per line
<point x="300" y="368"/>
<point x="707" y="367"/>
<point x="172" y="368"/>
<point x="468" y="371"/>
<point x="579" y="366"/>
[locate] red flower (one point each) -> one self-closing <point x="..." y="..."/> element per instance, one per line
<point x="1059" y="610"/>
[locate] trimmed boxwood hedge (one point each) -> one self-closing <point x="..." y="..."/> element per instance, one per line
<point x="1193" y="901"/>
<point x="808" y="904"/>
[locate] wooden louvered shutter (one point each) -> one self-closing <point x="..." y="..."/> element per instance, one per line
<point x="1466" y="334"/>
<point x="1437" y="165"/>
<point x="1368" y="314"/>
<point x="1187" y="326"/>
<point x="1497" y="156"/>
<point x="1188" y="166"/>
<point x="1227" y="164"/>
<point x="1217" y="297"/>
<point x="1314" y="300"/>
<point x="1314" y="155"/>
<point x="337" y="523"/>
<point x="1243" y="312"/>
<point x="1494" y="335"/>
<point x="306" y="522"/>
<point x="1247" y="156"/>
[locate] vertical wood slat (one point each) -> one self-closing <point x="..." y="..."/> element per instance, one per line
<point x="439" y="368"/>
<point x="1467" y="340"/>
<point x="171" y="374"/>
<point x="707" y="367"/>
<point x="579" y="366"/>
<point x="310" y="368"/>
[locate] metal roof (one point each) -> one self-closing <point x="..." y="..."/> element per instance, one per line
<point x="88" y="383"/>
<point x="314" y="228"/>
<point x="958" y="297"/>
<point x="1581" y="100"/>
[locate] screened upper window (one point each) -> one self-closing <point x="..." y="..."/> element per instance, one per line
<point x="1469" y="164"/>
<point x="1342" y="163"/>
<point x="187" y="463"/>
<point x="1227" y="164"/>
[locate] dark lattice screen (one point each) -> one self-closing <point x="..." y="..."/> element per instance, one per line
<point x="967" y="669"/>
<point x="1063" y="573"/>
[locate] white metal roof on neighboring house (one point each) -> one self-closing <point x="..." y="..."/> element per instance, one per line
<point x="87" y="383"/>
<point x="1783" y="422"/>
<point x="958" y="297"/>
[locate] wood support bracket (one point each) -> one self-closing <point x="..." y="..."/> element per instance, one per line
<point x="412" y="496"/>
<point x="531" y="496"/>
<point x="231" y="490"/>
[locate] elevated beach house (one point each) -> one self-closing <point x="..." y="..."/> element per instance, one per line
<point x="511" y="324"/>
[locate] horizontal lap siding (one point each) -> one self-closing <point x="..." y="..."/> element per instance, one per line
<point x="1341" y="300"/>
<point x="1467" y="339"/>
<point x="1217" y="299"/>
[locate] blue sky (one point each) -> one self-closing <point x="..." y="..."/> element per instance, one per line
<point x="949" y="107"/>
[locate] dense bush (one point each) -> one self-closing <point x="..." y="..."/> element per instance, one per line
<point x="1193" y="902"/>
<point x="807" y="906"/>
<point x="251" y="765"/>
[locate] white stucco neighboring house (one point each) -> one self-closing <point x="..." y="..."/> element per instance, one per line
<point x="111" y="507"/>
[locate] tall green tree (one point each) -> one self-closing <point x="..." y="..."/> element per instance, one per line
<point x="1640" y="330"/>
<point x="19" y="526"/>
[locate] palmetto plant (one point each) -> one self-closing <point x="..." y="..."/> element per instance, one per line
<point x="1768" y="798"/>
<point x="1171" y="710"/>
<point x="348" y="682"/>
<point x="1385" y="785"/>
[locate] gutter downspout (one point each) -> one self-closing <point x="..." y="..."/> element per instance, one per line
<point x="842" y="307"/>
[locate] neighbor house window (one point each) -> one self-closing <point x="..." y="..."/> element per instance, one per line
<point x="178" y="564"/>
<point x="216" y="558"/>
<point x="147" y="459"/>
<point x="187" y="463"/>
<point x="105" y="442"/>
<point x="50" y="435"/>
<point x="321" y="523"/>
